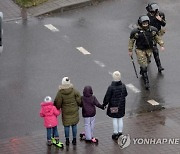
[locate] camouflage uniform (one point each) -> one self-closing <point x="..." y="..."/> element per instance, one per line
<point x="143" y="53"/>
<point x="143" y="38"/>
<point x="157" y="19"/>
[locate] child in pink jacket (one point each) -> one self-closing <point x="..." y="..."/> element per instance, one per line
<point x="49" y="113"/>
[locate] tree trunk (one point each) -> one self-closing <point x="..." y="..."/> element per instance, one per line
<point x="24" y="13"/>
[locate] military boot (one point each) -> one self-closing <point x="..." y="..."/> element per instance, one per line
<point x="146" y="82"/>
<point x="147" y="85"/>
<point x="158" y="63"/>
<point x="157" y="60"/>
<point x="145" y="78"/>
<point x="141" y="72"/>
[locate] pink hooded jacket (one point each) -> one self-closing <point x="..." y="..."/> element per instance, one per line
<point x="50" y="113"/>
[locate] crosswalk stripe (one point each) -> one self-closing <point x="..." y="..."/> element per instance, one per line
<point x="133" y="88"/>
<point x="153" y="102"/>
<point x="110" y="73"/>
<point x="132" y="26"/>
<point x="51" y="27"/>
<point x="82" y="50"/>
<point x="99" y="63"/>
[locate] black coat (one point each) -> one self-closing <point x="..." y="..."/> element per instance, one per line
<point x="116" y="97"/>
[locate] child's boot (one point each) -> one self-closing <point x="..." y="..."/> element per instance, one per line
<point x="94" y="140"/>
<point x="57" y="140"/>
<point x="49" y="143"/>
<point x="82" y="136"/>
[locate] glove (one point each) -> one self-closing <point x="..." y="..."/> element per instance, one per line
<point x="103" y="107"/>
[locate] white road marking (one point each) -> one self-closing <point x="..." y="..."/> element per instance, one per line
<point x="82" y="50"/>
<point x="153" y="102"/>
<point x="132" y="26"/>
<point x="110" y="73"/>
<point x="51" y="27"/>
<point x="133" y="88"/>
<point x="17" y="22"/>
<point x="99" y="63"/>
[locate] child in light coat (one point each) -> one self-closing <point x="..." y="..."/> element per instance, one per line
<point x="49" y="112"/>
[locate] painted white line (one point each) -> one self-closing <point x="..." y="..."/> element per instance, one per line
<point x="110" y="73"/>
<point x="132" y="26"/>
<point x="82" y="50"/>
<point x="17" y="22"/>
<point x="133" y="88"/>
<point x="153" y="102"/>
<point x="99" y="63"/>
<point x="51" y="27"/>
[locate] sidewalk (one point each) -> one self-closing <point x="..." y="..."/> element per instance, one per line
<point x="158" y="124"/>
<point x="11" y="11"/>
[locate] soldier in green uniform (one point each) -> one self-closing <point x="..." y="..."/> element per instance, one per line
<point x="143" y="38"/>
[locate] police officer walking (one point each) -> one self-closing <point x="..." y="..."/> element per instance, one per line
<point x="143" y="38"/>
<point x="157" y="19"/>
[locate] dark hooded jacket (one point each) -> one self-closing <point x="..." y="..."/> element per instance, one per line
<point x="89" y="103"/>
<point x="116" y="97"/>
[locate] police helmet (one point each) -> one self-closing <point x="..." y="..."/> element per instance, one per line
<point x="152" y="7"/>
<point x="142" y="19"/>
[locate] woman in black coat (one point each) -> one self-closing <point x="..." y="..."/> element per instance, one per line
<point x="115" y="98"/>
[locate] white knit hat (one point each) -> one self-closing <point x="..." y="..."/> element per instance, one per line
<point x="116" y="76"/>
<point x="66" y="81"/>
<point x="47" y="99"/>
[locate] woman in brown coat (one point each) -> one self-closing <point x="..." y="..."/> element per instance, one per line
<point x="69" y="100"/>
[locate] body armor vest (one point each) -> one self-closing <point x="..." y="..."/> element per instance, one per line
<point x="144" y="38"/>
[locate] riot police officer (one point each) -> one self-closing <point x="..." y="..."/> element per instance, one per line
<point x="157" y="19"/>
<point x="143" y="38"/>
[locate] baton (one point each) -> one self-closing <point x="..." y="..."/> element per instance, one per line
<point x="134" y="66"/>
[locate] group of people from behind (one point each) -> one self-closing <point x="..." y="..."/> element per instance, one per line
<point x="145" y="39"/>
<point x="67" y="102"/>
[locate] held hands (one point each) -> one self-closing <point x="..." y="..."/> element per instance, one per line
<point x="103" y="107"/>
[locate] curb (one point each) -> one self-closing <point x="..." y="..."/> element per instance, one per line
<point x="60" y="8"/>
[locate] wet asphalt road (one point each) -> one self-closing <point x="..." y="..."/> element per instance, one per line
<point x="35" y="59"/>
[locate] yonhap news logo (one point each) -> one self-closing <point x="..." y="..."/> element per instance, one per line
<point x="125" y="140"/>
<point x="154" y="141"/>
